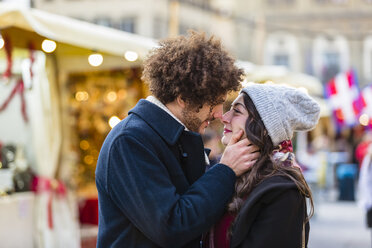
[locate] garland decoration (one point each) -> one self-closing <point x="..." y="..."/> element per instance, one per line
<point x="18" y="88"/>
<point x="8" y="50"/>
<point x="32" y="60"/>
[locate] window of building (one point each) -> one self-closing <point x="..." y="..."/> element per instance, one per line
<point x="103" y="21"/>
<point x="367" y="58"/>
<point x="332" y="1"/>
<point x="282" y="49"/>
<point x="127" y="24"/>
<point x="183" y="28"/>
<point x="331" y="65"/>
<point x="160" y="28"/>
<point x="281" y="59"/>
<point x="203" y="4"/>
<point x="280" y="2"/>
<point x="331" y="55"/>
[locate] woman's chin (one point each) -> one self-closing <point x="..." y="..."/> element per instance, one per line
<point x="225" y="140"/>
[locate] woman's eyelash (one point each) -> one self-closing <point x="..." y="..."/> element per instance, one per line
<point x="235" y="110"/>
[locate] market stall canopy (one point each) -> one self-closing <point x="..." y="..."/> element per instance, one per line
<point x="27" y="27"/>
<point x="281" y="75"/>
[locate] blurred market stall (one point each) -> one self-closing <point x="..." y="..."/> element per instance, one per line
<point x="65" y="83"/>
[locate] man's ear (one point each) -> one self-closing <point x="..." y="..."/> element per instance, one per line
<point x="180" y="102"/>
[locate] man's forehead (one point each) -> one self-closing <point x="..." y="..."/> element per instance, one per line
<point x="222" y="99"/>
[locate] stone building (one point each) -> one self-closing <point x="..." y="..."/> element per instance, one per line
<point x="318" y="37"/>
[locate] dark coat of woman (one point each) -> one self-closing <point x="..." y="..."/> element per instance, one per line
<point x="273" y="214"/>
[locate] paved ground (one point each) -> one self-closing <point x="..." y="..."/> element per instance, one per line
<point x="338" y="225"/>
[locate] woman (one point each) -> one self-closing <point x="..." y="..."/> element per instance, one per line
<point x="269" y="205"/>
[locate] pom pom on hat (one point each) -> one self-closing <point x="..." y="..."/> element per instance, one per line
<point x="283" y="110"/>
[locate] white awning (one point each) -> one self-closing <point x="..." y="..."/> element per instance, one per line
<point x="24" y="25"/>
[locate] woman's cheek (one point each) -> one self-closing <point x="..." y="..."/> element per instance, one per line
<point x="238" y="130"/>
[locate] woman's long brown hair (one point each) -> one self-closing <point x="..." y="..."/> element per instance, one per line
<point x="265" y="166"/>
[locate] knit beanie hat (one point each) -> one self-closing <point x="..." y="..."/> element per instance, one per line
<point x="283" y="110"/>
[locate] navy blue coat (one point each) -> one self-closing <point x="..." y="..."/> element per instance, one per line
<point x="152" y="190"/>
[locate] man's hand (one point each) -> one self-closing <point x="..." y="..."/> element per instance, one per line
<point x="239" y="155"/>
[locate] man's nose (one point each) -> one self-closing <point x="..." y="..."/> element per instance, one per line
<point x="218" y="112"/>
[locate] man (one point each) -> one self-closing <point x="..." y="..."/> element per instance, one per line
<point x="152" y="188"/>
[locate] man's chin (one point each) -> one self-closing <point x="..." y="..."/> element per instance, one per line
<point x="203" y="127"/>
<point x="202" y="130"/>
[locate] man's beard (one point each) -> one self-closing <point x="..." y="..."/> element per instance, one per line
<point x="191" y="121"/>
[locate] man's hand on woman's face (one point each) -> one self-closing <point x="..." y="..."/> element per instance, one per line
<point x="239" y="155"/>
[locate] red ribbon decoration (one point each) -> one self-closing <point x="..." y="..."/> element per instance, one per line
<point x="52" y="187"/>
<point x="8" y="51"/>
<point x="32" y="59"/>
<point x="10" y="97"/>
<point x="19" y="87"/>
<point x="285" y="146"/>
<point x="23" y="101"/>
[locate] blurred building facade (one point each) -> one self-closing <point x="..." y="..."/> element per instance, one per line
<point x="318" y="37"/>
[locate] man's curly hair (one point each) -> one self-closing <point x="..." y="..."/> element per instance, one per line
<point x="194" y="67"/>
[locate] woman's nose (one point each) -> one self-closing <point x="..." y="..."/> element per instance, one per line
<point x="226" y="117"/>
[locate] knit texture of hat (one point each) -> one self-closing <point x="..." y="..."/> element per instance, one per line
<point x="283" y="110"/>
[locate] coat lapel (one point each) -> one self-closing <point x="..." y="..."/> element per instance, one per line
<point x="188" y="144"/>
<point x="159" y="120"/>
<point x="193" y="158"/>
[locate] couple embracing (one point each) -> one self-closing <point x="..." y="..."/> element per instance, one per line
<point x="153" y="189"/>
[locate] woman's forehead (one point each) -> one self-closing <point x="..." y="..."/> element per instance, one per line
<point x="238" y="100"/>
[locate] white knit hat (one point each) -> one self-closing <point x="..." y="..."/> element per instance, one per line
<point x="283" y="110"/>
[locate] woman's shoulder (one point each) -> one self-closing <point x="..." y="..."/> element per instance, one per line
<point x="269" y="215"/>
<point x="270" y="188"/>
<point x="271" y="192"/>
<point x="267" y="200"/>
<point x="275" y="183"/>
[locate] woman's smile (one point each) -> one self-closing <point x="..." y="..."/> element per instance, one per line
<point x="225" y="130"/>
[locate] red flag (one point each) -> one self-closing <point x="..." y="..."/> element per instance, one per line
<point x="343" y="96"/>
